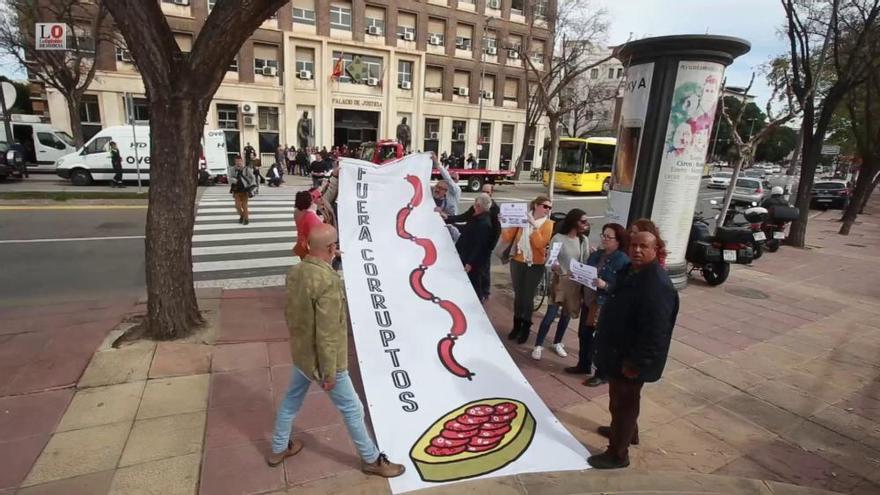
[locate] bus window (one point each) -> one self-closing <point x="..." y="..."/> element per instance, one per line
<point x="570" y="157"/>
<point x="600" y="157"/>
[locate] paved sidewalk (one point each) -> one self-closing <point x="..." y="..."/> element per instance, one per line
<point x="773" y="376"/>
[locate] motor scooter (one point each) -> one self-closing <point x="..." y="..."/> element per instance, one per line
<point x="713" y="254"/>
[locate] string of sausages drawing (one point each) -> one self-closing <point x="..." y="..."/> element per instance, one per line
<point x="459" y="322"/>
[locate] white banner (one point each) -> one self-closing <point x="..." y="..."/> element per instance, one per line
<point x="445" y="397"/>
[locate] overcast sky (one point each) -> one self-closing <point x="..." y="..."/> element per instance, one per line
<point x="757" y="21"/>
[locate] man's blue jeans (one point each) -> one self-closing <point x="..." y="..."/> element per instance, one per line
<point x="345" y="399"/>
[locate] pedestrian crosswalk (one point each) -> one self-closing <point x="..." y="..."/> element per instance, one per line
<point x="229" y="255"/>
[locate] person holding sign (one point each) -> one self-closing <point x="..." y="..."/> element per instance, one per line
<point x="608" y="261"/>
<point x="529" y="243"/>
<point x="566" y="296"/>
<point x="632" y="344"/>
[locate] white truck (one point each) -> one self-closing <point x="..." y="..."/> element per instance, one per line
<point x="92" y="162"/>
<point x="43" y="144"/>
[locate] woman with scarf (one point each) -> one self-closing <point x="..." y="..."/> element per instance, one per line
<point x="527" y="255"/>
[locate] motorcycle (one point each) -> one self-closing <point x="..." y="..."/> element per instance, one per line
<point x="774" y="225"/>
<point x="755" y="217"/>
<point x="713" y="254"/>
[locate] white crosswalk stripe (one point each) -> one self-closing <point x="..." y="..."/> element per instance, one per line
<point x="230" y="255"/>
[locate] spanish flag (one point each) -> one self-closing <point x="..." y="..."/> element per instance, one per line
<point x="338" y="67"/>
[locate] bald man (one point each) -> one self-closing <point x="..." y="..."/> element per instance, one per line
<point x="634" y="332"/>
<point x="317" y="321"/>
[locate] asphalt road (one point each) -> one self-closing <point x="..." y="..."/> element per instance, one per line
<point x="66" y="253"/>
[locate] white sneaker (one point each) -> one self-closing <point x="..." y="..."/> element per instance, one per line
<point x="560" y="349"/>
<point x="536" y="353"/>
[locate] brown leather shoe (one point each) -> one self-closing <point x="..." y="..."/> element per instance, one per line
<point x="605" y="431"/>
<point x="383" y="467"/>
<point x="293" y="448"/>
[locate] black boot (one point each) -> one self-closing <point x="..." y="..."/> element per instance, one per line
<point x="524" y="332"/>
<point x="517" y="324"/>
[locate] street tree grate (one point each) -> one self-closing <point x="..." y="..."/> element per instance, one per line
<point x="747" y="293"/>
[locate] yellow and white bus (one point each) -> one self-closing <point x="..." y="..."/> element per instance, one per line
<point x="582" y="164"/>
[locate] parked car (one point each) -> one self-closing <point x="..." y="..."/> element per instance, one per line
<point x="749" y="190"/>
<point x="719" y="180"/>
<point x="755" y="173"/>
<point x="830" y="194"/>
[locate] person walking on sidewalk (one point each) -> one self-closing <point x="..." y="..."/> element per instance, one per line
<point x="635" y="331"/>
<point x="608" y="260"/>
<point x="527" y="265"/>
<point x="566" y="296"/>
<point x="116" y="162"/>
<point x="241" y="184"/>
<point x="316" y="318"/>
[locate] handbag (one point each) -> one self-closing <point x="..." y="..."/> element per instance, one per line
<point x="504" y="250"/>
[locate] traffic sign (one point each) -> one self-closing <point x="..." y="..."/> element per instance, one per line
<point x="830" y="149"/>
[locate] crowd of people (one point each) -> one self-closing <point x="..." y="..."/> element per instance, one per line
<point x="626" y="315"/>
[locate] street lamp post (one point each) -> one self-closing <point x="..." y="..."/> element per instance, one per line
<point x="482" y="78"/>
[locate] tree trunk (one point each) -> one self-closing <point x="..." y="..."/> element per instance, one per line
<point x="73" y="103"/>
<point x="728" y="194"/>
<point x="172" y="309"/>
<point x="811" y="152"/>
<point x="863" y="189"/>
<point x="554" y="149"/>
<point x="868" y="194"/>
<point x="518" y="163"/>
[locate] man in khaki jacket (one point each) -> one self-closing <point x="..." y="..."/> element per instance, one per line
<point x="317" y="320"/>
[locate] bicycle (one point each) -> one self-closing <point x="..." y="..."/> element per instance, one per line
<point x="541" y="291"/>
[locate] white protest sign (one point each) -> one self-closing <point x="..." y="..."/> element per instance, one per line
<point x="445" y="397"/>
<point x="584" y="274"/>
<point x="555" y="248"/>
<point x="51" y="36"/>
<point x="513" y="214"/>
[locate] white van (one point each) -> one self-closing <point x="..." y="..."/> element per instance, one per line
<point x="92" y="162"/>
<point x="43" y="143"/>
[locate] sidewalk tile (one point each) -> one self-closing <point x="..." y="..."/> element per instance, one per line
<point x="672" y="397"/>
<point x="687" y="354"/>
<point x="180" y="359"/>
<point x="102" y="406"/>
<point x="850" y="424"/>
<point x="583" y="419"/>
<point x="816" y="386"/>
<point x="486" y="486"/>
<point x="279" y="353"/>
<point x="707" y="344"/>
<point x="803" y="468"/>
<point x="345" y="483"/>
<point x="240" y="469"/>
<point x="326" y="451"/>
<point x="113" y="366"/>
<point x="78" y="452"/>
<point x="87" y="484"/>
<point x="730" y="428"/>
<point x="242" y="423"/>
<point x="554" y="393"/>
<point x="782" y="357"/>
<point x="788" y="398"/>
<point x="678" y="446"/>
<point x="701" y="384"/>
<point x="724" y="371"/>
<point x="744" y="467"/>
<point x="237" y="387"/>
<point x="169" y="396"/>
<point x="34" y="414"/>
<point x="760" y="412"/>
<point x="17" y="457"/>
<point x="160" y="438"/>
<point x="231" y="357"/>
<point x="651" y="414"/>
<point x="837" y="449"/>
<point x="173" y="476"/>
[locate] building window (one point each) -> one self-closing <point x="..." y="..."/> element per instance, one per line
<point x="340" y="17"/>
<point x="516" y="7"/>
<point x="376" y="23"/>
<point x="490" y="43"/>
<point x="541" y="9"/>
<point x="404" y="32"/>
<point x="227" y="116"/>
<point x="432" y="135"/>
<point x="211" y="4"/>
<point x="267" y="119"/>
<point x="511" y="87"/>
<point x="140" y="110"/>
<point x="123" y="55"/>
<point x="303" y="16"/>
<point x="528" y="159"/>
<point x="611" y="73"/>
<point x="538" y="57"/>
<point x="261" y="63"/>
<point x="233" y="66"/>
<point x="406" y="26"/>
<point x="485" y="144"/>
<point x="436" y="32"/>
<point x="464" y="35"/>
<point x="459" y="136"/>
<point x="461" y="82"/>
<point x="433" y="80"/>
<point x="89" y="116"/>
<point x="404" y="72"/>
<point x="594" y="73"/>
<point x="507" y="133"/>
<point x="619" y="72"/>
<point x="358" y="69"/>
<point x="462" y="43"/>
<point x="305" y="60"/>
<point x="84" y="44"/>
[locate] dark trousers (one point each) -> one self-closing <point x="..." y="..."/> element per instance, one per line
<point x="479" y="277"/>
<point x="117" y="175"/>
<point x="624" y="396"/>
<point x="585" y="341"/>
<point x="525" y="280"/>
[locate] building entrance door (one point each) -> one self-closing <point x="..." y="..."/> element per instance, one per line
<point x="353" y="127"/>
